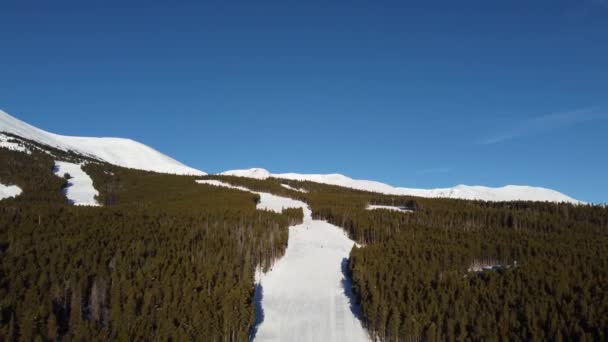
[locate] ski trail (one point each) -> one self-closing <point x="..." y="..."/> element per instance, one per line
<point x="306" y="296"/>
<point x="80" y="189"/>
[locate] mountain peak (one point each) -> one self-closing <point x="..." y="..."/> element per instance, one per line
<point x="118" y="151"/>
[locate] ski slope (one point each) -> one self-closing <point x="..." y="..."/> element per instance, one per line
<point x="306" y="296"/>
<point x="505" y="193"/>
<point x="7" y="191"/>
<point x="80" y="189"/>
<point x="117" y="151"/>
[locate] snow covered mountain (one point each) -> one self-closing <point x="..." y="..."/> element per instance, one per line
<point x="505" y="193"/>
<point x="131" y="154"/>
<point x="117" y="151"/>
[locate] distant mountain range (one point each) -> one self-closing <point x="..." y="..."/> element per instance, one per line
<point x="132" y="154"/>
<point x="505" y="193"/>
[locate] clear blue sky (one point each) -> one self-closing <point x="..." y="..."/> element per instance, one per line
<point x="418" y="94"/>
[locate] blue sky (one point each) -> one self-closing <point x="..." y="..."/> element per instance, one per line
<point x="418" y="94"/>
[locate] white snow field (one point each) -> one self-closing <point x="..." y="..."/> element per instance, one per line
<point x="505" y="193"/>
<point x="7" y="191"/>
<point x="117" y="151"/>
<point x="80" y="190"/>
<point x="306" y="296"/>
<point x="388" y="207"/>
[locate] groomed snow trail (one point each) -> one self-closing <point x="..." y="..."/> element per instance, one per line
<point x="80" y="190"/>
<point x="306" y="296"/>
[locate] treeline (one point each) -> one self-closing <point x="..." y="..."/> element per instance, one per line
<point x="164" y="258"/>
<point x="545" y="286"/>
<point x="370" y="226"/>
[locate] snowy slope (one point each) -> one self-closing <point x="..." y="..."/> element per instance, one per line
<point x="80" y="190"/>
<point x="117" y="151"/>
<point x="306" y="296"/>
<point x="506" y="193"/>
<point x="7" y="191"/>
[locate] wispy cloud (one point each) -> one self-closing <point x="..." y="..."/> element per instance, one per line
<point x="545" y="123"/>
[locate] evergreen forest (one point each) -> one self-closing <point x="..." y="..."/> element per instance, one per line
<point x="167" y="259"/>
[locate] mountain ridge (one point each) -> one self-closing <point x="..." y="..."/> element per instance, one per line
<point x="132" y="154"/>
<point x="461" y="191"/>
<point x="118" y="151"/>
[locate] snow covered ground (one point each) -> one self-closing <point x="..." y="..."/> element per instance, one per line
<point x="80" y="190"/>
<point x="117" y="151"/>
<point x="388" y="207"/>
<point x="7" y="191"/>
<point x="505" y="193"/>
<point x="307" y="295"/>
<point x="6" y="142"/>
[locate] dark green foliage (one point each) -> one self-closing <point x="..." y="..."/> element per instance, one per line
<point x="412" y="278"/>
<point x="165" y="258"/>
<point x="556" y="288"/>
<point x="33" y="174"/>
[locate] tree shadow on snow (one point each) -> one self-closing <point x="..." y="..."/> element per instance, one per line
<point x="347" y="286"/>
<point x="258" y="295"/>
<point x="65" y="188"/>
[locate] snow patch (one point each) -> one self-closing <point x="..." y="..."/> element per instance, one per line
<point x="389" y="207"/>
<point x="7" y="191"/>
<point x="294" y="189"/>
<point x="117" y="151"/>
<point x="80" y="189"/>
